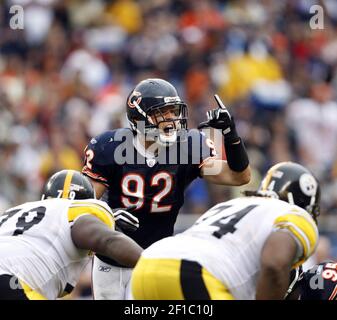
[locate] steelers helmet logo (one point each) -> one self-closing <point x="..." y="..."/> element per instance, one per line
<point x="134" y="97"/>
<point x="308" y="184"/>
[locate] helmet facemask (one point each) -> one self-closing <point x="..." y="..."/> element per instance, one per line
<point x="170" y="122"/>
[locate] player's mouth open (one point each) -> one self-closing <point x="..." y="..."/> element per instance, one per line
<point x="168" y="130"/>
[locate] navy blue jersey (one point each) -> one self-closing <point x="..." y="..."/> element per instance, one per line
<point x="319" y="282"/>
<point x="155" y="186"/>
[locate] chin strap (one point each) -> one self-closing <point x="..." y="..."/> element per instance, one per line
<point x="164" y="140"/>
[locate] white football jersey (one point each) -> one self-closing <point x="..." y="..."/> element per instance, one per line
<point x="228" y="239"/>
<point x="36" y="244"/>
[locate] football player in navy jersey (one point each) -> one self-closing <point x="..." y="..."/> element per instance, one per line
<point x="149" y="166"/>
<point x="317" y="283"/>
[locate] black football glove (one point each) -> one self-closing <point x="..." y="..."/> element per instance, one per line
<point x="124" y="220"/>
<point x="220" y="118"/>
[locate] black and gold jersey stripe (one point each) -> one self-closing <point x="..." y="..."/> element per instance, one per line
<point x="80" y="208"/>
<point x="175" y="279"/>
<point x="303" y="229"/>
<point x="30" y="293"/>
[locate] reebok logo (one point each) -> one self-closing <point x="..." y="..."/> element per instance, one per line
<point x="104" y="268"/>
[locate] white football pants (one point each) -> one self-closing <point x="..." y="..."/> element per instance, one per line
<point x="110" y="282"/>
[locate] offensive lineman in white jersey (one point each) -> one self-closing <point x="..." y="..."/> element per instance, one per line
<point x="44" y="245"/>
<point x="244" y="248"/>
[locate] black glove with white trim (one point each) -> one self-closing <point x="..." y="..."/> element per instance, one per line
<point x="124" y="220"/>
<point x="220" y="118"/>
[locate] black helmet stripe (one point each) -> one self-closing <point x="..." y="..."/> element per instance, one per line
<point x="67" y="182"/>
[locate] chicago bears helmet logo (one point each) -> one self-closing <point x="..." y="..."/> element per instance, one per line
<point x="135" y="96"/>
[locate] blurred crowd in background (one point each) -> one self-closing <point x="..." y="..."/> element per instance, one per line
<point x="65" y="77"/>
